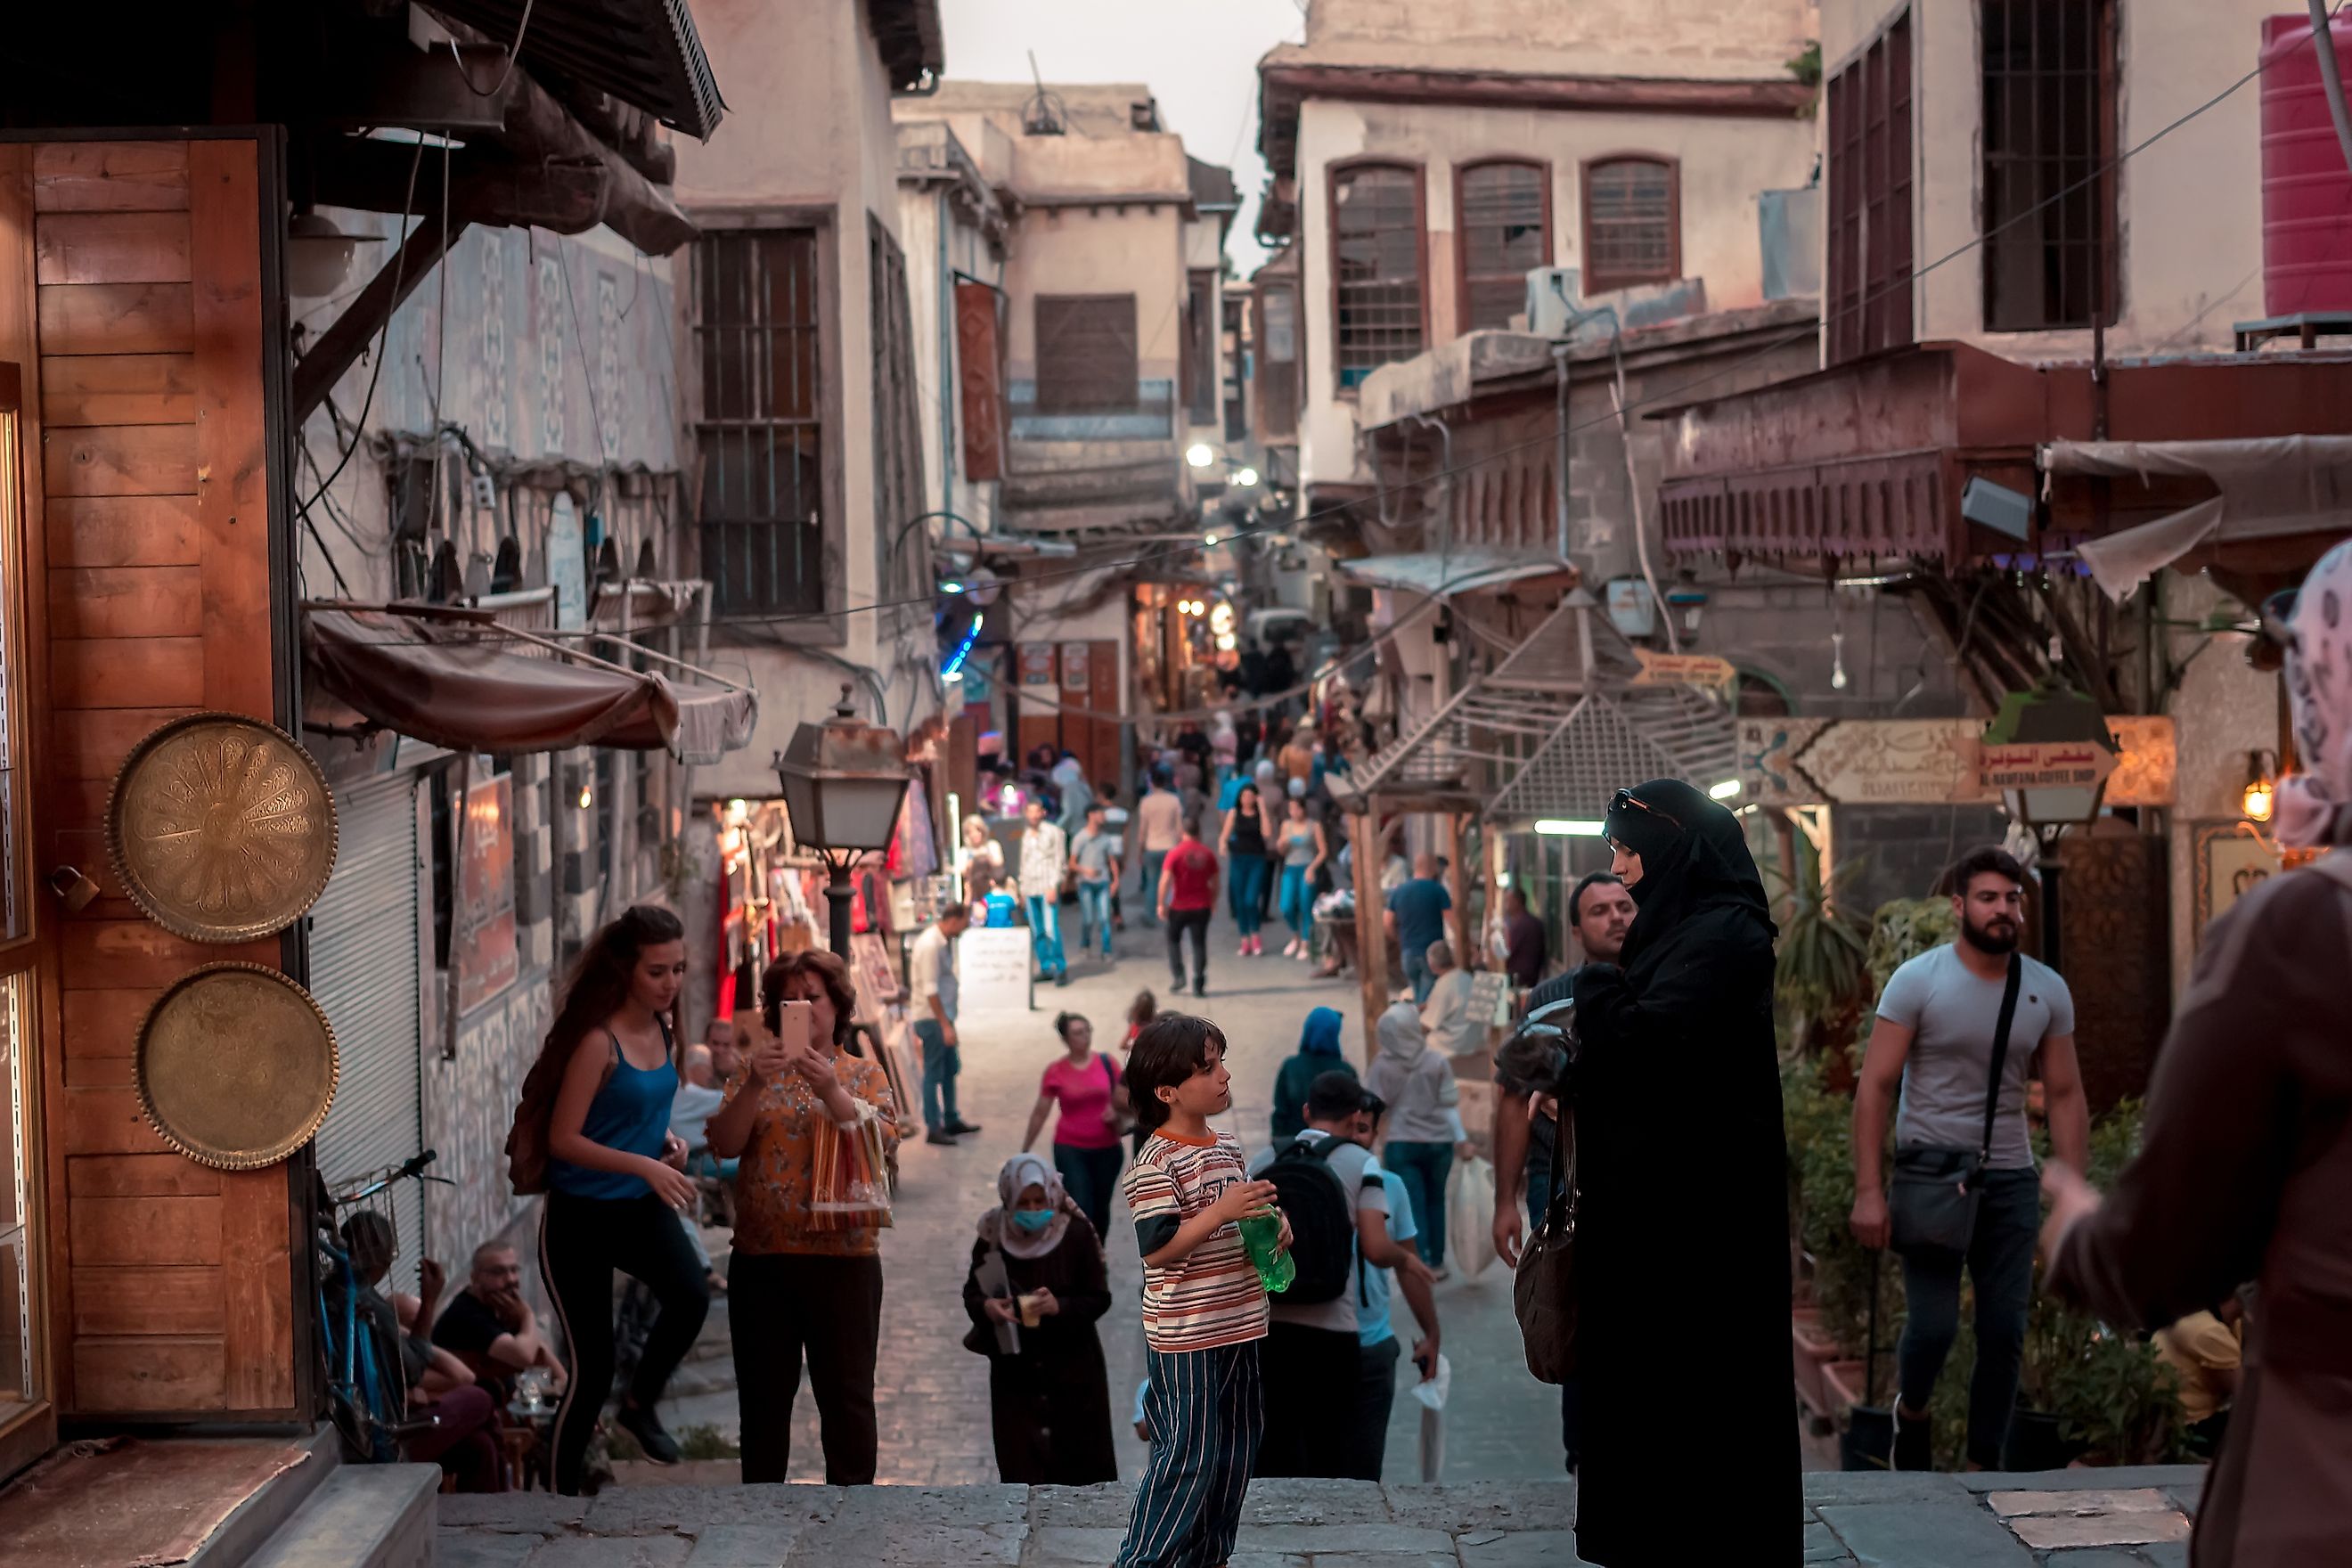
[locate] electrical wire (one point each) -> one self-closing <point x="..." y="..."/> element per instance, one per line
<point x="514" y="55"/>
<point x="384" y="333"/>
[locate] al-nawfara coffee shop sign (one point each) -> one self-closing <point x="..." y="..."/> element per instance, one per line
<point x="1942" y="761"/>
<point x="2042" y="764"/>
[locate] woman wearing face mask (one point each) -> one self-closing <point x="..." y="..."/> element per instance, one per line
<point x="1682" y="1219"/>
<point x="616" y="1183"/>
<point x="1049" y="1399"/>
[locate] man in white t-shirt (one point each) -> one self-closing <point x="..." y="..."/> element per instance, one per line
<point x="1935" y="1038"/>
<point x="931" y="992"/>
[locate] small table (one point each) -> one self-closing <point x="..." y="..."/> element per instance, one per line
<point x="523" y="1436"/>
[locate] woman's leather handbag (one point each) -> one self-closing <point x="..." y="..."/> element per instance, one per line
<point x="1543" y="1291"/>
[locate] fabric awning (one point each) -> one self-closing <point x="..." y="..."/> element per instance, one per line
<point x="462" y="684"/>
<point x="2270" y="487"/>
<point x="1452" y="572"/>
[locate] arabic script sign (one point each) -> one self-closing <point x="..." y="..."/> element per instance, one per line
<point x="1926" y="762"/>
<point x="2044" y="765"/>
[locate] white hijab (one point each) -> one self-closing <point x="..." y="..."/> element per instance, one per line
<point x="2314" y="806"/>
<point x="1021" y="1173"/>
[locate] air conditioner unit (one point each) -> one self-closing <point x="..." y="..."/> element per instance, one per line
<point x="1553" y="293"/>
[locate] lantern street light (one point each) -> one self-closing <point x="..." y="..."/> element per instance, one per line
<point x="2053" y="715"/>
<point x="843" y="781"/>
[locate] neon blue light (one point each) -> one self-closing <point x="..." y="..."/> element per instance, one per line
<point x="963" y="650"/>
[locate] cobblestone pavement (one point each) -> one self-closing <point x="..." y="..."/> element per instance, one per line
<point x="932" y="1394"/>
<point x="2068" y="1519"/>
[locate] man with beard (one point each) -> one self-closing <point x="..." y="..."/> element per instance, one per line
<point x="1938" y="1037"/>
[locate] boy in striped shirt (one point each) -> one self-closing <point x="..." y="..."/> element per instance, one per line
<point x="1203" y="1307"/>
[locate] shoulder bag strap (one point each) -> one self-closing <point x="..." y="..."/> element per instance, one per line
<point x="1999" y="1053"/>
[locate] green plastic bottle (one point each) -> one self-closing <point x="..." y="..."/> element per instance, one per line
<point x="1261" y="1240"/>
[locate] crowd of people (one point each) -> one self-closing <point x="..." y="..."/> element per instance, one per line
<point x="1272" y="1349"/>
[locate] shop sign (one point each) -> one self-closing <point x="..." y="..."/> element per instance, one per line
<point x="1073" y="666"/>
<point x="1037" y="664"/>
<point x="1683" y="669"/>
<point x="1934" y="762"/>
<point x="485" y="951"/>
<point x="2042" y="764"/>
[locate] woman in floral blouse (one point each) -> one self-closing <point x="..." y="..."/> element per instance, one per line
<point x="797" y="1285"/>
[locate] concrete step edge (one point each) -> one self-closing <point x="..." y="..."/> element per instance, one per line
<point x="364" y="1516"/>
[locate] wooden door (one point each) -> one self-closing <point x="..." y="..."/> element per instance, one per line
<point x="131" y="291"/>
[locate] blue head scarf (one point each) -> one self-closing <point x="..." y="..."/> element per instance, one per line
<point x="1321" y="1037"/>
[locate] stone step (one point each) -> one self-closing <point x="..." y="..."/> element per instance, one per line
<point x="362" y="1516"/>
<point x="253" y="1521"/>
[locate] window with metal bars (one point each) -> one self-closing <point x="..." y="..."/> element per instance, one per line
<point x="1376" y="248"/>
<point x="2049" y="136"/>
<point x="1503" y="214"/>
<point x="758" y="337"/>
<point x="1870" y="185"/>
<point x="1633" y="223"/>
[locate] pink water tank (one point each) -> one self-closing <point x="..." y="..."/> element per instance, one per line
<point x="2306" y="186"/>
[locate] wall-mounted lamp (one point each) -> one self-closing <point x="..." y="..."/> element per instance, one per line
<point x="2262" y="786"/>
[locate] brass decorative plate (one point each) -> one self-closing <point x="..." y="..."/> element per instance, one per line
<point x="221" y="828"/>
<point x="235" y="1066"/>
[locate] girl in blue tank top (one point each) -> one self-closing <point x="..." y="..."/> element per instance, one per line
<point x="618" y="1197"/>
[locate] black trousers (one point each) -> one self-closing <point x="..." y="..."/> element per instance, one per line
<point x="1197" y="922"/>
<point x="1376" y="1375"/>
<point x="785" y="1304"/>
<point x="581" y="1242"/>
<point x="1308" y="1373"/>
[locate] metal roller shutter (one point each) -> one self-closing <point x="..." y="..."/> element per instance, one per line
<point x="365" y="953"/>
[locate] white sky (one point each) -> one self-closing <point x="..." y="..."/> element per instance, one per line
<point x="1199" y="58"/>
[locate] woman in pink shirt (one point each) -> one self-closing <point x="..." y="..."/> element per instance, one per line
<point x="1093" y="1110"/>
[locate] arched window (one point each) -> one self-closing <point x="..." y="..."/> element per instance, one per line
<point x="1633" y="223"/>
<point x="1503" y="212"/>
<point x="1375" y="271"/>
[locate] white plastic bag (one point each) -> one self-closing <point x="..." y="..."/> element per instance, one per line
<point x="1470" y="1217"/>
<point x="1431" y="1394"/>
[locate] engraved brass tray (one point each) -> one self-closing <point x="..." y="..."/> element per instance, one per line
<point x="235" y="1066"/>
<point x="221" y="828"/>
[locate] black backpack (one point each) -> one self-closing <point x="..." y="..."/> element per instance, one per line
<point x="1322" y="1214"/>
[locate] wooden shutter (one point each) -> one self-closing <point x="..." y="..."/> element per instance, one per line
<point x="979" y="376"/>
<point x="1087" y="360"/>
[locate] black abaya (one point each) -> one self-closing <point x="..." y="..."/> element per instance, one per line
<point x="1050" y="1404"/>
<point x="1682" y="1236"/>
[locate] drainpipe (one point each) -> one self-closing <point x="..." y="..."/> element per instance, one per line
<point x="1559" y="459"/>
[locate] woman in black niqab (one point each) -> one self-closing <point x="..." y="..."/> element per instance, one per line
<point x="1683" y="1235"/>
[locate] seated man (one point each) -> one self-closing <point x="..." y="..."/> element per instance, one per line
<point x="702" y="1086"/>
<point x="491" y="1328"/>
<point x="2206" y="1350"/>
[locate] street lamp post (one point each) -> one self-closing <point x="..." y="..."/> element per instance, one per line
<point x="843" y="781"/>
<point x="2051" y="714"/>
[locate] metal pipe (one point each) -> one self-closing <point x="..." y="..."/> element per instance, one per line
<point x="1559" y="459"/>
<point x="2331" y="76"/>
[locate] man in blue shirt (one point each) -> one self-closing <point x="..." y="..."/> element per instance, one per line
<point x="1416" y="917"/>
<point x="1377" y="1361"/>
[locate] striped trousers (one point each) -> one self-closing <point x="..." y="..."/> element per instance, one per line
<point x="1207" y="1411"/>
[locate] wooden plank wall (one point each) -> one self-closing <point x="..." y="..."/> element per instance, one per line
<point x="138" y="266"/>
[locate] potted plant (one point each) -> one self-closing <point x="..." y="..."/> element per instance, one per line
<point x="1822" y="981"/>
